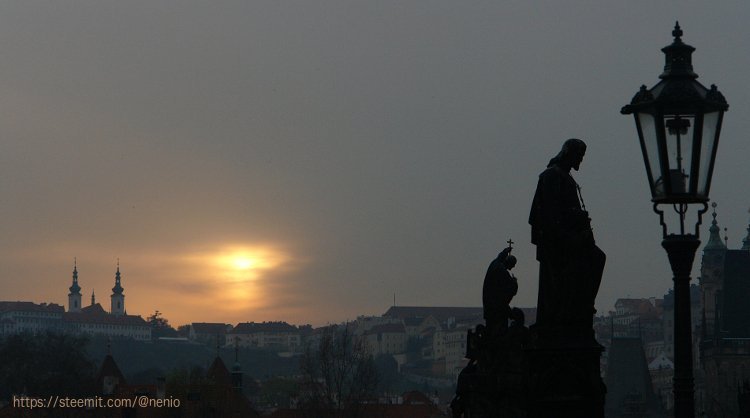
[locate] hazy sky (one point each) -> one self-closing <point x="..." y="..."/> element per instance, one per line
<point x="307" y="160"/>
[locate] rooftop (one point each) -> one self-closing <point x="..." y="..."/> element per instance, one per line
<point x="209" y="328"/>
<point x="257" y="327"/>
<point x="30" y="307"/>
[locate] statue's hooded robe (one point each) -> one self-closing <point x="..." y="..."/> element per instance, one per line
<point x="571" y="265"/>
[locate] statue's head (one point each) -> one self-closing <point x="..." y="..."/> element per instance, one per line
<point x="509" y="262"/>
<point x="571" y="154"/>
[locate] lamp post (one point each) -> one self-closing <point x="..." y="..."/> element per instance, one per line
<point x="679" y="122"/>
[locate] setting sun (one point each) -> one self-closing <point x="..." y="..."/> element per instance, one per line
<point x="247" y="259"/>
<point x="236" y="276"/>
<point x="243" y="263"/>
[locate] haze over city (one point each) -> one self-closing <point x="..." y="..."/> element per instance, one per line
<point x="307" y="161"/>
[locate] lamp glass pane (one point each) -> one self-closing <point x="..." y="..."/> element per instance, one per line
<point x="650" y="149"/>
<point x="679" y="140"/>
<point x="710" y="125"/>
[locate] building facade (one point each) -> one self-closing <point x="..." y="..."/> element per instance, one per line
<point x="725" y="338"/>
<point x="18" y="317"/>
<point x="270" y="335"/>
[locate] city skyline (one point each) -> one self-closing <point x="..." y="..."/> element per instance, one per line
<point x="305" y="162"/>
<point x="88" y="299"/>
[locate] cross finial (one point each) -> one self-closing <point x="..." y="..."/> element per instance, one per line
<point x="510" y="243"/>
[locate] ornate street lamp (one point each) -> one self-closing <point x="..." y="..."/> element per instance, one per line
<point x="678" y="122"/>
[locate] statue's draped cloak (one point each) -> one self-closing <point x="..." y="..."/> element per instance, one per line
<point x="571" y="265"/>
<point x="497" y="291"/>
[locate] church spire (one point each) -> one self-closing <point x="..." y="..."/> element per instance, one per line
<point x="74" y="297"/>
<point x="118" y="289"/>
<point x="714" y="239"/>
<point x="237" y="370"/>
<point x="118" y="298"/>
<point x="75" y="288"/>
<point x="746" y="241"/>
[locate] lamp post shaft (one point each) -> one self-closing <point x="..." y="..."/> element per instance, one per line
<point x="681" y="252"/>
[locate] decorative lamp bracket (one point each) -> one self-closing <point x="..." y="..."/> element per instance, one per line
<point x="681" y="210"/>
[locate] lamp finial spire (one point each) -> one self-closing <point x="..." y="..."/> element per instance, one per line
<point x="677" y="32"/>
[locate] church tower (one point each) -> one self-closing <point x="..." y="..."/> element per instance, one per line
<point x="118" y="298"/>
<point x="725" y="349"/>
<point x="237" y="371"/>
<point x="746" y="240"/>
<point x="74" y="297"/>
<point x="712" y="272"/>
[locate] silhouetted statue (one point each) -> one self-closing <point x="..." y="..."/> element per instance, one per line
<point x="571" y="265"/>
<point x="499" y="288"/>
<point x="493" y="383"/>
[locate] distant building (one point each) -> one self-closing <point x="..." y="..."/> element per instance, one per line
<point x="661" y="370"/>
<point x="109" y="378"/>
<point x="386" y="339"/>
<point x="17" y="317"/>
<point x="417" y="327"/>
<point x="93" y="320"/>
<point x="449" y="349"/>
<point x="630" y="393"/>
<point x="365" y="323"/>
<point x="443" y="314"/>
<point x="725" y="335"/>
<point x="437" y="336"/>
<point x="635" y="317"/>
<point x="271" y="335"/>
<point x="207" y="332"/>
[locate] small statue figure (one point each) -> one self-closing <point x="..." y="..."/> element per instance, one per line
<point x="497" y="291"/>
<point x="570" y="263"/>
<point x="493" y="382"/>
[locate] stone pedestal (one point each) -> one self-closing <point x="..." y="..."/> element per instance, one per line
<point x="531" y="374"/>
<point x="564" y="378"/>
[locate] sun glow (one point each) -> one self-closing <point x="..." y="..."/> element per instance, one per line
<point x="243" y="263"/>
<point x="237" y="276"/>
<point x="247" y="261"/>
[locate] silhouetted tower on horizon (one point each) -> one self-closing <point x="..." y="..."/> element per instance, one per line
<point x="118" y="298"/>
<point x="725" y="342"/>
<point x="712" y="272"/>
<point x="746" y="240"/>
<point x="93" y="298"/>
<point x="109" y="376"/>
<point x="74" y="297"/>
<point x="237" y="371"/>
